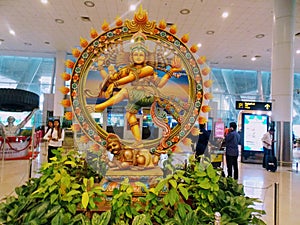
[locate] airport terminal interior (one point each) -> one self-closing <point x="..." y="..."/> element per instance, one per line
<point x="237" y="39"/>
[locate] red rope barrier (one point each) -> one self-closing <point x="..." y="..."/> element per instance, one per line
<point x="18" y="150"/>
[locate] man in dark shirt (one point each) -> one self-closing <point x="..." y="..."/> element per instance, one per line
<point x="202" y="141"/>
<point x="232" y="151"/>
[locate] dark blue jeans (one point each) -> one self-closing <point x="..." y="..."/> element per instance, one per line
<point x="266" y="152"/>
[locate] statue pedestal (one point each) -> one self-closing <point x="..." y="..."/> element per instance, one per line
<point x="114" y="177"/>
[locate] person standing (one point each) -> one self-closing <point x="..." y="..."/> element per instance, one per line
<point x="55" y="137"/>
<point x="232" y="140"/>
<point x="49" y="126"/>
<point x="267" y="141"/>
<point x="202" y="141"/>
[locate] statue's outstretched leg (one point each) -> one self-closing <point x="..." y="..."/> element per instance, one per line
<point x="120" y="96"/>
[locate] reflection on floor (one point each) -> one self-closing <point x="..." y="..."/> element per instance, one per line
<point x="258" y="183"/>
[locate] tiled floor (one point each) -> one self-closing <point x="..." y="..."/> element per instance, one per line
<point x="258" y="183"/>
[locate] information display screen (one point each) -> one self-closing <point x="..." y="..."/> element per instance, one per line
<point x="254" y="127"/>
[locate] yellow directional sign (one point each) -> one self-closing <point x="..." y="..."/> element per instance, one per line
<point x="247" y="105"/>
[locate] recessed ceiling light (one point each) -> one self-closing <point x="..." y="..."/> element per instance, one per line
<point x="27" y="43"/>
<point x="297" y="34"/>
<point x="199" y="45"/>
<point x="44" y="1"/>
<point x="89" y="4"/>
<point x="257" y="56"/>
<point x="210" y="32"/>
<point x="225" y="14"/>
<point x="244" y="56"/>
<point x="253" y="58"/>
<point x="85" y="18"/>
<point x="59" y="21"/>
<point x="298" y="51"/>
<point x="185" y="11"/>
<point x="47" y="43"/>
<point x="228" y="57"/>
<point x="12" y="32"/>
<point x="132" y="7"/>
<point x="259" y="36"/>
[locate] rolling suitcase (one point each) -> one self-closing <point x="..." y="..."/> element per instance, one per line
<point x="271" y="163"/>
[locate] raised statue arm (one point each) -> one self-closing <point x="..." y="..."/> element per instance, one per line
<point x="23" y="123"/>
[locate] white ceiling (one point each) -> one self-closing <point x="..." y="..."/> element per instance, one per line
<point x="34" y="23"/>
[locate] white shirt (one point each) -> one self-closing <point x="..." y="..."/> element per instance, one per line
<point x="267" y="140"/>
<point x="59" y="141"/>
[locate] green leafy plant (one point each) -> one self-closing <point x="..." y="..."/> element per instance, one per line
<point x="67" y="193"/>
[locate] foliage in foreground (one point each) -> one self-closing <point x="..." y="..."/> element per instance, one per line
<point x="66" y="193"/>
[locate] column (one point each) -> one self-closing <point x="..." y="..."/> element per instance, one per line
<point x="59" y="82"/>
<point x="282" y="76"/>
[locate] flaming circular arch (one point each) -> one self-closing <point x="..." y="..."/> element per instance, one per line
<point x="111" y="43"/>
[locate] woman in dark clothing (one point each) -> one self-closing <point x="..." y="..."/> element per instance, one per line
<point x="232" y="140"/>
<point x="202" y="141"/>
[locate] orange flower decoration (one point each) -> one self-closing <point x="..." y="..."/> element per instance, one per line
<point x="205" y="108"/>
<point x="95" y="148"/>
<point x="76" y="52"/>
<point x="187" y="141"/>
<point x="65" y="76"/>
<point x="83" y="42"/>
<point x="170" y="38"/>
<point x="105" y="26"/>
<point x="194" y="48"/>
<point x="119" y="21"/>
<point x="208" y="96"/>
<point x="175" y="139"/>
<point x="84" y="139"/>
<point x="97" y="138"/>
<point x="192" y="62"/>
<point x="205" y="71"/>
<point x="68" y="115"/>
<point x="187" y="126"/>
<point x="75" y="78"/>
<point x="202" y="120"/>
<point x="185" y="38"/>
<point x="66" y="103"/>
<point x="195" y="112"/>
<point x="195" y="131"/>
<point x="173" y="29"/>
<point x="199" y="95"/>
<point x="74" y="94"/>
<point x="69" y="64"/>
<point x="201" y="60"/>
<point x="198" y="78"/>
<point x="93" y="33"/>
<point x="64" y="90"/>
<point x="162" y="24"/>
<point x="208" y="83"/>
<point x="76" y="127"/>
<point x="77" y="110"/>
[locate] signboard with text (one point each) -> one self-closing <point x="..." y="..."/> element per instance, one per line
<point x="247" y="105"/>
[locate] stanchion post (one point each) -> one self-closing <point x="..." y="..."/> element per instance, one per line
<point x="32" y="151"/>
<point x="276" y="203"/>
<point x="3" y="152"/>
<point x="217" y="218"/>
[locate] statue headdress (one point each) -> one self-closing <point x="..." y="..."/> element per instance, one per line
<point x="139" y="39"/>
